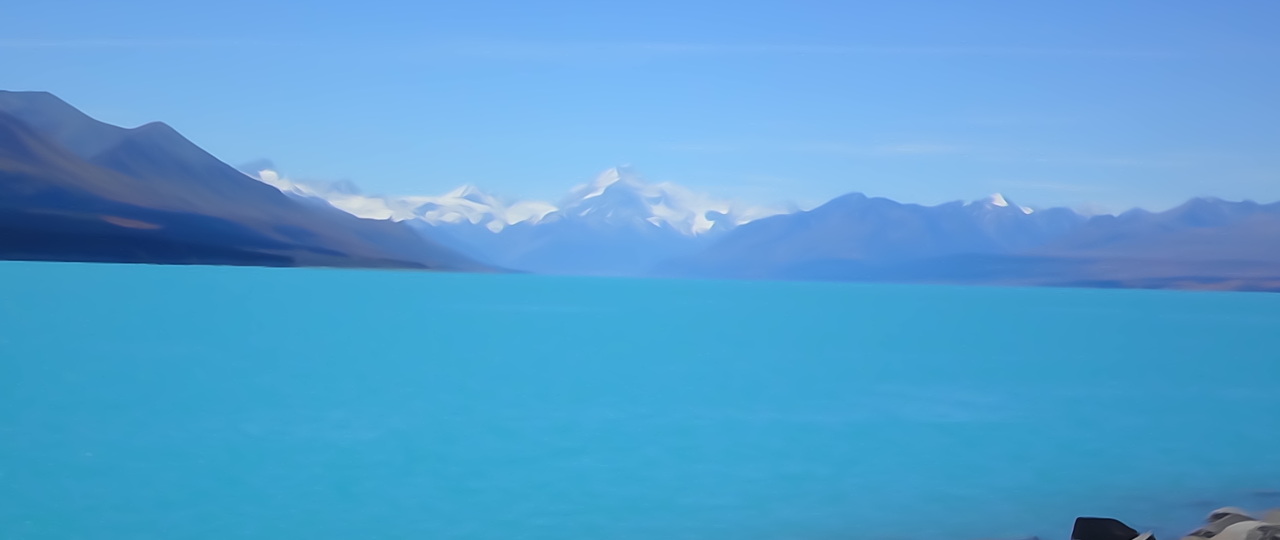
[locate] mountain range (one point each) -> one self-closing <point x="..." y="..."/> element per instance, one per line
<point x="616" y="224"/>
<point x="75" y="188"/>
<point x="621" y="226"/>
<point x="1203" y="244"/>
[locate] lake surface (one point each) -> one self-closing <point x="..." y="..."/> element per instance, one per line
<point x="141" y="402"/>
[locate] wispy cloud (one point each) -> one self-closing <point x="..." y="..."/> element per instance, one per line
<point x="1062" y="187"/>
<point x="524" y="49"/>
<point x="130" y="43"/>
<point x="706" y="148"/>
<point x="893" y="149"/>
<point x="1092" y="161"/>
<point x="553" y="50"/>
<point x="923" y="149"/>
<point x="822" y="147"/>
<point x="1019" y="120"/>
<point x="916" y="149"/>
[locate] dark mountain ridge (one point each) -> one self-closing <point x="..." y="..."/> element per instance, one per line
<point x="77" y="189"/>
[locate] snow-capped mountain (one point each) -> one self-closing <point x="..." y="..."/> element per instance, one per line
<point x="470" y="205"/>
<point x="616" y="224"/>
<point x="616" y="197"/>
<point x="466" y="204"/>
<point x="996" y="201"/>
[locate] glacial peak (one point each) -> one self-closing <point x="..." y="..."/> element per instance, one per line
<point x="620" y="176"/>
<point x="469" y="192"/>
<point x="999" y="201"/>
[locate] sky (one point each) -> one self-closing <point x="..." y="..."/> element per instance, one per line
<point x="1094" y="105"/>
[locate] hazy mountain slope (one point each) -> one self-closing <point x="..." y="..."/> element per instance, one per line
<point x="1206" y="243"/>
<point x="1199" y="230"/>
<point x="61" y="123"/>
<point x="566" y="247"/>
<point x="615" y="225"/>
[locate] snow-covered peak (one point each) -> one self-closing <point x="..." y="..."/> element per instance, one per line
<point x="468" y="192"/>
<point x="341" y="195"/>
<point x="615" y="197"/>
<point x="617" y="177"/>
<point x="620" y="197"/>
<point x="466" y="203"/>
<point x="997" y="201"/>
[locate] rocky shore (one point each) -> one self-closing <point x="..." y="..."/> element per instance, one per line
<point x="1228" y="523"/>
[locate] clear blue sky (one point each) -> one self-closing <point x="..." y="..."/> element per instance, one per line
<point x="1113" y="103"/>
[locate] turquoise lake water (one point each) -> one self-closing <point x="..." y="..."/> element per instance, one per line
<point x="141" y="402"/>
